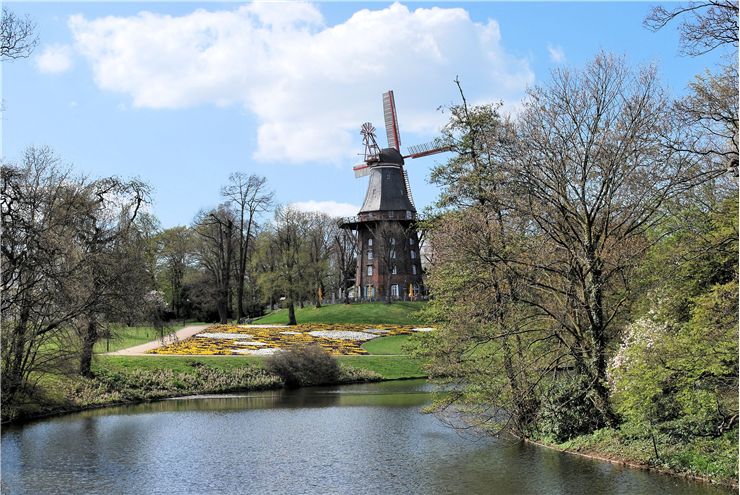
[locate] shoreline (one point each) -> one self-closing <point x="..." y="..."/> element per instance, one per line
<point x="63" y="411"/>
<point x="611" y="459"/>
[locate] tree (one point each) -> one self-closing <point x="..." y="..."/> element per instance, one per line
<point x="318" y="244"/>
<point x="66" y="262"/>
<point x="344" y="252"/>
<point x="706" y="26"/>
<point x="105" y="231"/>
<point x="18" y="38"/>
<point x="710" y="111"/>
<point x="289" y="234"/>
<point x="676" y="372"/>
<point x="214" y="252"/>
<point x="39" y="257"/>
<point x="549" y="213"/>
<point x="175" y="247"/>
<point x="249" y="197"/>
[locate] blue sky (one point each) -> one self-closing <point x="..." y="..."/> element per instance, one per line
<point x="182" y="94"/>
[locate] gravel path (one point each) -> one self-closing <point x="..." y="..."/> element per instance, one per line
<point x="141" y="350"/>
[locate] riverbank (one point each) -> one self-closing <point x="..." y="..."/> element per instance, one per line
<point x="713" y="461"/>
<point x="58" y="394"/>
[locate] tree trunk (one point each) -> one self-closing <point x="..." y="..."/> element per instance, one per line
<point x="88" y="341"/>
<point x="291" y="313"/>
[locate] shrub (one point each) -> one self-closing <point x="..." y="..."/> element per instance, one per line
<point x="304" y="366"/>
<point x="567" y="410"/>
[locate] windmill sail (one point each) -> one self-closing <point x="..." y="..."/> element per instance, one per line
<point x="426" y="149"/>
<point x="391" y="121"/>
<point x="361" y="170"/>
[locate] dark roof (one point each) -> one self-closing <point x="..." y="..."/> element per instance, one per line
<point x="391" y="155"/>
<point x="386" y="189"/>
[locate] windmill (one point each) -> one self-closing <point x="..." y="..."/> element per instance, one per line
<point x="372" y="150"/>
<point x="388" y="214"/>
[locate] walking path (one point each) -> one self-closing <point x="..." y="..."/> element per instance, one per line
<point x="141" y="350"/>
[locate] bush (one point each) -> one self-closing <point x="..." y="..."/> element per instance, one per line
<point x="304" y="366"/>
<point x="567" y="410"/>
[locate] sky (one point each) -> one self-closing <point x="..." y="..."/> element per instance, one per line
<point x="183" y="94"/>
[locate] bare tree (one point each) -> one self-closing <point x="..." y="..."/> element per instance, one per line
<point x="249" y="197"/>
<point x="706" y="25"/>
<point x="64" y="253"/>
<point x="215" y="230"/>
<point x="344" y="252"/>
<point x="105" y="228"/>
<point x="709" y="117"/>
<point x="18" y="38"/>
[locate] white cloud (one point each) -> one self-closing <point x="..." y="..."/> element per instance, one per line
<point x="54" y="59"/>
<point x="310" y="86"/>
<point x="331" y="208"/>
<point x="556" y="52"/>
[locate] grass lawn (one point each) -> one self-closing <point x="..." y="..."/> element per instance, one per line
<point x="392" y="345"/>
<point x="389" y="367"/>
<point x="399" y="313"/>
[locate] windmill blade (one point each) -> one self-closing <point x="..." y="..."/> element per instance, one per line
<point x="391" y="121"/>
<point x="361" y="170"/>
<point x="426" y="149"/>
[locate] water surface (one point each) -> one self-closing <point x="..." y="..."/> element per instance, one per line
<point x="359" y="439"/>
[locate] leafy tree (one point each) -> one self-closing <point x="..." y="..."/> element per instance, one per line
<point x="677" y="369"/>
<point x="175" y="252"/>
<point x="544" y="225"/>
<point x="288" y="241"/>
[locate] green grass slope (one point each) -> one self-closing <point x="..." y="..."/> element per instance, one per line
<point x="399" y="313"/>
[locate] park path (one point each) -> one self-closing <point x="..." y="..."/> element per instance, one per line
<point x="141" y="349"/>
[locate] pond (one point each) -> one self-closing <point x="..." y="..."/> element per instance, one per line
<point x="352" y="439"/>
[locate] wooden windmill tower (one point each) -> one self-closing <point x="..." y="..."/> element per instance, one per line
<point x="388" y="258"/>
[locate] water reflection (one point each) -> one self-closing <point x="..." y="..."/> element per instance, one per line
<point x="354" y="439"/>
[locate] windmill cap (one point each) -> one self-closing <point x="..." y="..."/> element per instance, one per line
<point x="391" y="155"/>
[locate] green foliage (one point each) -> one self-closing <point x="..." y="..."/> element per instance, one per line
<point x="304" y="366"/>
<point x="566" y="409"/>
<point x="711" y="457"/>
<point x="677" y="369"/>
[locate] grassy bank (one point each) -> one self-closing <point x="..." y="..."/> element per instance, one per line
<point x="711" y="459"/>
<point x="127" y="379"/>
<point x="399" y="313"/>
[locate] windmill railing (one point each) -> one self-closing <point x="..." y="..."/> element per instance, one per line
<point x="374" y="216"/>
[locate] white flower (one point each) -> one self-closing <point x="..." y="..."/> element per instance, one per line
<point x="342" y="335"/>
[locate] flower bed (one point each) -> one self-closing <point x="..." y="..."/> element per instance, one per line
<point x="345" y="339"/>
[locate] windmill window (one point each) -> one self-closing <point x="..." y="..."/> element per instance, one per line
<point x="413" y="269"/>
<point x="413" y="255"/>
<point x="369" y="254"/>
<point x="411" y="242"/>
<point x="394" y="290"/>
<point x="370" y="243"/>
<point x="370" y="270"/>
<point x="393" y="241"/>
<point x="394" y="270"/>
<point x="393" y="254"/>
